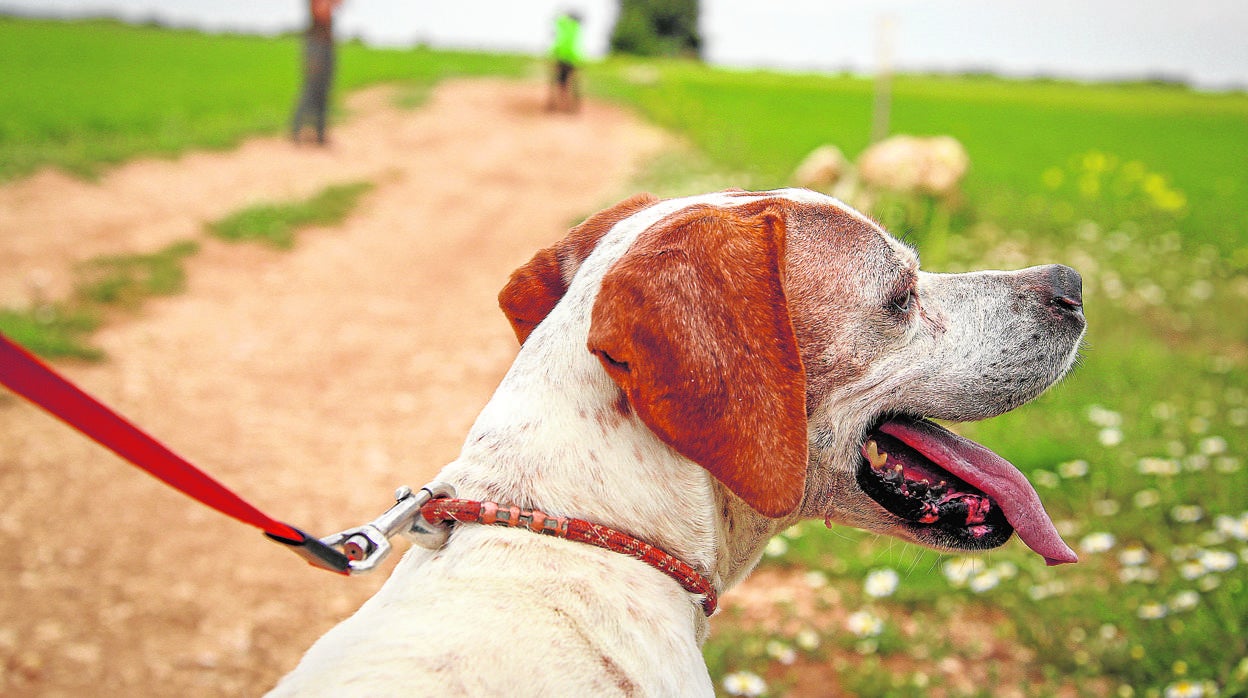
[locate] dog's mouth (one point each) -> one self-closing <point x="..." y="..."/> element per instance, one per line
<point x="953" y="492"/>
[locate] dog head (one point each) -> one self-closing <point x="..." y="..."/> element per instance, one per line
<point x="792" y="348"/>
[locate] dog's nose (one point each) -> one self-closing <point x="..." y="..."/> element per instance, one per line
<point x="1063" y="287"/>
<point x="1067" y="286"/>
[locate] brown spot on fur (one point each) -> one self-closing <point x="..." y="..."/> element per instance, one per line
<point x="610" y="418"/>
<point x="617" y="675"/>
<point x="446" y="664"/>
<point x="611" y="670"/>
<point x="621" y="404"/>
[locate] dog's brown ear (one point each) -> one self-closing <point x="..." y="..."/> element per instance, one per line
<point x="693" y="325"/>
<point x="536" y="287"/>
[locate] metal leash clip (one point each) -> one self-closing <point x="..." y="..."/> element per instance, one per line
<point x="366" y="546"/>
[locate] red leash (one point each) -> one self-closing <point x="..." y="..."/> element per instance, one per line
<point x="27" y="376"/>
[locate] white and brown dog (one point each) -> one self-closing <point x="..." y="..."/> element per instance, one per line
<point x="699" y="374"/>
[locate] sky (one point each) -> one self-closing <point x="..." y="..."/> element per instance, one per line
<point x="1202" y="41"/>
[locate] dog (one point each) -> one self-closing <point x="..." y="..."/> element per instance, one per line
<point x="698" y="374"/>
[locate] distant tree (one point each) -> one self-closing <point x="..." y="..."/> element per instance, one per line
<point x="657" y="28"/>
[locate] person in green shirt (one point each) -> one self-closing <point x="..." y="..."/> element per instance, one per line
<point x="565" y="92"/>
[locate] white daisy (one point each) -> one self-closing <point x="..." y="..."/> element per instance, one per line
<point x="864" y="624"/>
<point x="1097" y="542"/>
<point x="1184" y="689"/>
<point x="745" y="683"/>
<point x="881" y="583"/>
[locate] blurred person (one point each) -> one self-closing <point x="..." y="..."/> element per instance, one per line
<point x="318" y="70"/>
<point x="565" y="89"/>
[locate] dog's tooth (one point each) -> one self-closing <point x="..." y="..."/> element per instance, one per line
<point x="875" y="456"/>
<point x="891" y="474"/>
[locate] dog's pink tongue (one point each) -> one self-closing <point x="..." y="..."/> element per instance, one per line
<point x="991" y="474"/>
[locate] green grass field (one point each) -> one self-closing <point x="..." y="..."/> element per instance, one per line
<point x="1139" y="454"/>
<point x="95" y="93"/>
<point x="762" y="124"/>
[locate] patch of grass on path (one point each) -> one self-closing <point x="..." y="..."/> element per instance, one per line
<point x="62" y="330"/>
<point x="54" y="332"/>
<point x="124" y="282"/>
<point x="276" y="224"/>
<point x="127" y="280"/>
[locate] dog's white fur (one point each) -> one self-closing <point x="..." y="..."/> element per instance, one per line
<point x="500" y="611"/>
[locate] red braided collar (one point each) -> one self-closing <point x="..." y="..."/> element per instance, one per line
<point x="469" y="511"/>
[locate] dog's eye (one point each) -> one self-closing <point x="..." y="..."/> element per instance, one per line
<point x="903" y="301"/>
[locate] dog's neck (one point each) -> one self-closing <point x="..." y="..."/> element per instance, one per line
<point x="589" y="459"/>
<point x="566" y="442"/>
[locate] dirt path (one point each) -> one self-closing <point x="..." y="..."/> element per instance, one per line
<point x="312" y="381"/>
